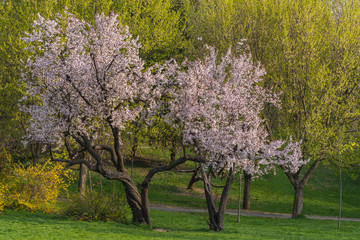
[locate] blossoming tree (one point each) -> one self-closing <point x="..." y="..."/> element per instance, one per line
<point x="90" y="82"/>
<point x="218" y="104"/>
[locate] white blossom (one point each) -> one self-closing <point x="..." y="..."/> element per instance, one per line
<point x="86" y="76"/>
<point x="218" y="103"/>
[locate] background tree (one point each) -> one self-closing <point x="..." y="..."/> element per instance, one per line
<point x="309" y="60"/>
<point x="160" y="26"/>
<point x="212" y="22"/>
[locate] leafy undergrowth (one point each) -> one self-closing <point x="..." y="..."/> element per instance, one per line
<point x="170" y="225"/>
<point x="93" y="206"/>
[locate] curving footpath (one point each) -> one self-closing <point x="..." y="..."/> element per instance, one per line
<point x="249" y="213"/>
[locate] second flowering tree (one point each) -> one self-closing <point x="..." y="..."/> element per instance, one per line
<point x="218" y="103"/>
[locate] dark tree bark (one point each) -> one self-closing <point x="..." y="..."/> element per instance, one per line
<point x="172" y="154"/>
<point x="194" y="178"/>
<point x="216" y="218"/>
<point x="298" y="201"/>
<point x="134" y="200"/>
<point x="173" y="151"/>
<point x="90" y="182"/>
<point x="139" y="203"/>
<point x="246" y="198"/>
<point x="82" y="178"/>
<point x="135" y="146"/>
<point x="35" y="150"/>
<point x="299" y="185"/>
<point x="100" y="183"/>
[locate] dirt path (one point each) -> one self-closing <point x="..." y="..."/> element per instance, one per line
<point x="246" y="213"/>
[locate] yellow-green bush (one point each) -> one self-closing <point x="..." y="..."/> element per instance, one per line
<point x="32" y="187"/>
<point x="2" y="196"/>
<point x="93" y="206"/>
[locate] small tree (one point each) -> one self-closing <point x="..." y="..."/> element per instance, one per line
<point x="218" y="103"/>
<point x="91" y="82"/>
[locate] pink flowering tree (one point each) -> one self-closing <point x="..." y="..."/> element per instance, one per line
<point x="218" y="103"/>
<point x="286" y="154"/>
<point x="89" y="83"/>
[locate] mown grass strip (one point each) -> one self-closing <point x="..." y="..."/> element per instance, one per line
<point x="170" y="225"/>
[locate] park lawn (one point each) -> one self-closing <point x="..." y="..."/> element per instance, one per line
<point x="269" y="193"/>
<point x="26" y="225"/>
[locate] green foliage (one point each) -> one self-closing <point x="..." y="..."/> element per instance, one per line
<point x="159" y="25"/>
<point x="213" y="22"/>
<point x="93" y="206"/>
<point x="310" y="57"/>
<point x="310" y="52"/>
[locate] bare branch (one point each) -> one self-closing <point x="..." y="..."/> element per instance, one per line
<point x="311" y="171"/>
<point x="70" y="163"/>
<point x="173" y="164"/>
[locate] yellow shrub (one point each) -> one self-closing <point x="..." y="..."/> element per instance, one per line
<point x="5" y="158"/>
<point x="2" y="197"/>
<point x="33" y="187"/>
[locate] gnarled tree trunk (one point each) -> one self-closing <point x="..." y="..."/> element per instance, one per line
<point x="135" y="202"/>
<point x="194" y="178"/>
<point x="299" y="185"/>
<point x="246" y="198"/>
<point x="216" y="218"/>
<point x="144" y="186"/>
<point x="298" y="200"/>
<point x="82" y="178"/>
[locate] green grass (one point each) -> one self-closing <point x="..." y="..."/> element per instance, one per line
<point x="270" y="193"/>
<point x="25" y="225"/>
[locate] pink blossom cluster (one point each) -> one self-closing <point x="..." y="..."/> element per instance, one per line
<point x="219" y="102"/>
<point x="86" y="76"/>
<point x="89" y="78"/>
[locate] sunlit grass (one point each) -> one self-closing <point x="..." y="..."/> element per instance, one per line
<point x="270" y="193"/>
<point x="25" y="225"/>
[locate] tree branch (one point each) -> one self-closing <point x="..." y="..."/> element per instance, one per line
<point x="77" y="90"/>
<point x="173" y="164"/>
<point x="111" y="150"/>
<point x="290" y="176"/>
<point x="70" y="163"/>
<point x="311" y="171"/>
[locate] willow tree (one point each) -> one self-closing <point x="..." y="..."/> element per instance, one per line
<point x="309" y="50"/>
<point x="160" y="26"/>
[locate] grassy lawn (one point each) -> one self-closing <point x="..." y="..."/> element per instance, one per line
<point x="270" y="193"/>
<point x="25" y="225"/>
